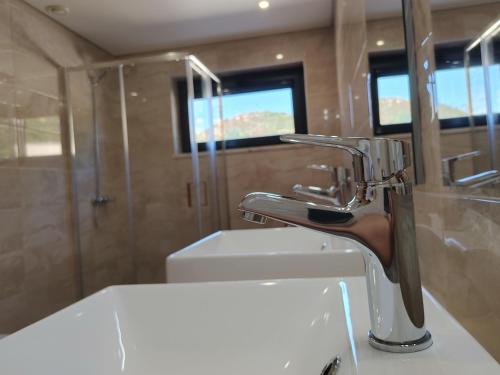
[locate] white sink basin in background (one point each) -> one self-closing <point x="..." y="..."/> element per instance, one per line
<point x="247" y="328"/>
<point x="259" y="254"/>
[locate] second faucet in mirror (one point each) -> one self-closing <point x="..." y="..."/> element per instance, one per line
<point x="338" y="193"/>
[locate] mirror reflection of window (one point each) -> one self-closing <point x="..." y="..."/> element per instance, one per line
<point x="42" y="136"/>
<point x="451" y="88"/>
<point x="394" y="99"/>
<point x="30" y="137"/>
<point x="391" y="97"/>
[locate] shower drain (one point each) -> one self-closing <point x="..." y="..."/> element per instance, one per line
<point x="331" y="367"/>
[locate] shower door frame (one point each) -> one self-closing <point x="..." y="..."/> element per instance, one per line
<point x="192" y="63"/>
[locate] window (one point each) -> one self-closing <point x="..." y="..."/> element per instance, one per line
<point x="41" y="137"/>
<point x="390" y="91"/>
<point x="394" y="99"/>
<point x="31" y="137"/>
<point x="258" y="105"/>
<point x="391" y="95"/>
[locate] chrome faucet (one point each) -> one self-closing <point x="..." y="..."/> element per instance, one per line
<point x="380" y="217"/>
<point x="477" y="180"/>
<point x="339" y="193"/>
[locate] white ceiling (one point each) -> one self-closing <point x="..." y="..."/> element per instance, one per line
<point x="130" y="26"/>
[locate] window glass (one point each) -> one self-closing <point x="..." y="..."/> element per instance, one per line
<point x="248" y="115"/>
<point x="42" y="136"/>
<point x="390" y="89"/>
<point x="451" y="88"/>
<point x="258" y="105"/>
<point x="495" y="87"/>
<point x="394" y="99"/>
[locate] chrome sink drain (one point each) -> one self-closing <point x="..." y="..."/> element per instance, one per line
<point x="331" y="367"/>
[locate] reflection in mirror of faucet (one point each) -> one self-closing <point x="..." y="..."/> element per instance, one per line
<point x="474" y="181"/>
<point x="380" y="217"/>
<point x="338" y="193"/>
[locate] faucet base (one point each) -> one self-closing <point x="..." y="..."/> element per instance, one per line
<point x="404" y="347"/>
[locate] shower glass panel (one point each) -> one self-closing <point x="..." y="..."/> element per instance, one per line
<point x="137" y="198"/>
<point x="100" y="180"/>
<point x="205" y="120"/>
<point x="482" y="65"/>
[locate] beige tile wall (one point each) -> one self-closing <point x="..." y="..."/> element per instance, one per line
<point x="38" y="273"/>
<point x="458" y="244"/>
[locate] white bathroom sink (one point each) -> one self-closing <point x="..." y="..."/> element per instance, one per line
<point x="269" y="327"/>
<point x="233" y="328"/>
<point x="259" y="254"/>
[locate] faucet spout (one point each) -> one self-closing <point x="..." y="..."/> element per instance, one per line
<point x="380" y="218"/>
<point x="371" y="229"/>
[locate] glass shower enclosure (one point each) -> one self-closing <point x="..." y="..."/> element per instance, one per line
<point x="136" y="196"/>
<point x="483" y="92"/>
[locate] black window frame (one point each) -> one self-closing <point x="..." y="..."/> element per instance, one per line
<point x="254" y="80"/>
<point x="395" y="62"/>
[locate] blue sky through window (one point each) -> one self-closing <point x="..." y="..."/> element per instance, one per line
<point x="262" y="105"/>
<point x="451" y="90"/>
<point x="451" y="87"/>
<point x="397" y="86"/>
<point x="279" y="100"/>
<point x="394" y="99"/>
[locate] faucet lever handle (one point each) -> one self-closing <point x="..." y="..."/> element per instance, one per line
<point x="374" y="159"/>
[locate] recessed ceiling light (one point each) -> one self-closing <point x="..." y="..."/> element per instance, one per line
<point x="380" y="43"/>
<point x="279" y="56"/>
<point x="264" y="4"/>
<point x="57" y="10"/>
<point x="134" y="93"/>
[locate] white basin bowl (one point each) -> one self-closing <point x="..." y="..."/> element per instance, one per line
<point x="259" y="254"/>
<point x="247" y="328"/>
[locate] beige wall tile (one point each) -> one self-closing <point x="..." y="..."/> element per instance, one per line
<point x="11" y="235"/>
<point x="12" y="274"/>
<point x="37" y="251"/>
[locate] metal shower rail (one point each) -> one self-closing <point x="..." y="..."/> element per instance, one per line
<point x="160" y="57"/>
